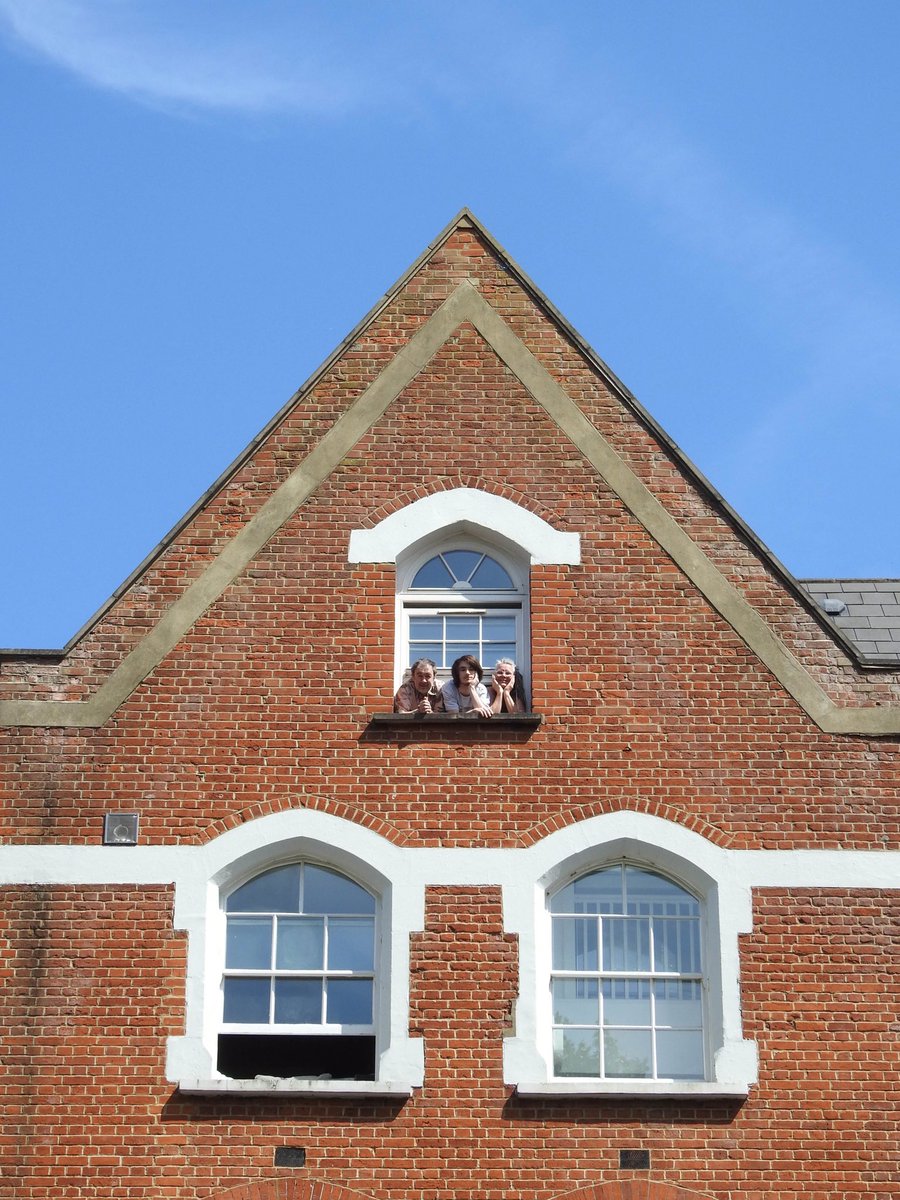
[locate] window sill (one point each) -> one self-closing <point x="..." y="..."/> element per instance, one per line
<point x="456" y="721"/>
<point x="270" y="1085"/>
<point x="631" y="1089"/>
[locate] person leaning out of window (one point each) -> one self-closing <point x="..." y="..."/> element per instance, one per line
<point x="507" y="690"/>
<point x="465" y="693"/>
<point x="420" y="694"/>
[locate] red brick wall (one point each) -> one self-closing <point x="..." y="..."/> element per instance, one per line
<point x="650" y="702"/>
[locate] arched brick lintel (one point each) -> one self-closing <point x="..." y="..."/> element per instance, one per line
<point x="288" y="1189"/>
<point x="637" y="1189"/>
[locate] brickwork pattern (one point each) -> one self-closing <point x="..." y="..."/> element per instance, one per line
<point x="651" y="703"/>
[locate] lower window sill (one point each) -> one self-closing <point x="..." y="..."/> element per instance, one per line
<point x="269" y="1085"/>
<point x="628" y="1089"/>
<point x="527" y="720"/>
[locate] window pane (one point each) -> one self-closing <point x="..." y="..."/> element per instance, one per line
<point x="679" y="1054"/>
<point x="600" y="892"/>
<point x="676" y="945"/>
<point x="626" y="1002"/>
<point x="499" y="629"/>
<point x="425" y="629"/>
<point x="576" y="1002"/>
<point x="576" y="1052"/>
<point x="349" y="1001"/>
<point x="247" y="1001"/>
<point x="433" y="575"/>
<point x="462" y="629"/>
<point x="628" y="1053"/>
<point x="277" y="890"/>
<point x="298" y="1001"/>
<point x="626" y="944"/>
<point x="432" y="650"/>
<point x="248" y="942"/>
<point x="351" y="944"/>
<point x="494" y="650"/>
<point x="678" y="1003"/>
<point x="491" y="576"/>
<point x="462" y="562"/>
<point x="327" y="892"/>
<point x="650" y="894"/>
<point x="301" y="944"/>
<point x="575" y="944"/>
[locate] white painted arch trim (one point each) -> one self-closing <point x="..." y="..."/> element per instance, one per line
<point x="473" y="509"/>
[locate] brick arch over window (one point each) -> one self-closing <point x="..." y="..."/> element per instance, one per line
<point x="643" y="1189"/>
<point x="289" y="1189"/>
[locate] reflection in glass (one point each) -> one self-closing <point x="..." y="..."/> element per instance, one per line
<point x="628" y="1053"/>
<point x="301" y="944"/>
<point x="247" y="1001"/>
<point x="576" y="1001"/>
<point x="349" y="1001"/>
<point x="248" y="942"/>
<point x="576" y="1052"/>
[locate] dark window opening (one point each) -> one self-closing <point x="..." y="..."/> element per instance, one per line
<point x="245" y="1055"/>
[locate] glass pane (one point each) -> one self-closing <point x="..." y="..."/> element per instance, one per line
<point x="628" y="1053"/>
<point x="425" y="629"/>
<point x="298" y="1001"/>
<point x="433" y="575"/>
<point x="626" y="944"/>
<point x="248" y="942"/>
<point x="576" y="1052"/>
<point x="575" y="944"/>
<point x="301" y="944"/>
<point x="494" y="650"/>
<point x="626" y="1002"/>
<point x="678" y="1003"/>
<point x="499" y="628"/>
<point x="349" y="1001"/>
<point x="351" y="944"/>
<point x="432" y="650"/>
<point x="455" y="649"/>
<point x="247" y="1001"/>
<point x="462" y="629"/>
<point x="676" y="945"/>
<point x="575" y="1002"/>
<point x="491" y="576"/>
<point x="462" y="562"/>
<point x="328" y="892"/>
<point x="650" y="894"/>
<point x="679" y="1055"/>
<point x="277" y="890"/>
<point x="600" y="892"/>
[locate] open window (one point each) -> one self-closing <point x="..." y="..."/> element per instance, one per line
<point x="298" y="987"/>
<point x="462" y="596"/>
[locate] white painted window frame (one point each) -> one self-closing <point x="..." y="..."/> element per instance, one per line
<point x="691" y="861"/>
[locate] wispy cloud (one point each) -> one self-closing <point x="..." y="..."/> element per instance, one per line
<point x="195" y="59"/>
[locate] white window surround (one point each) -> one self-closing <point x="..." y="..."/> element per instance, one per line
<point x="400" y="876"/>
<point x="683" y="856"/>
<point x="470" y="511"/>
<point x="242" y="853"/>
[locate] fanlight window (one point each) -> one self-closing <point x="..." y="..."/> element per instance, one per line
<point x="464" y="601"/>
<point x="627" y="983"/>
<point x="299" y="961"/>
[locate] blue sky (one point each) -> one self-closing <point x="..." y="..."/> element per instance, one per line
<point x="199" y="200"/>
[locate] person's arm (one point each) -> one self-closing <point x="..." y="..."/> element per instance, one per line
<point x="480" y="702"/>
<point x="402" y="700"/>
<point x="450" y="698"/>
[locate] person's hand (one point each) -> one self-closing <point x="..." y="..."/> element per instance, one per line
<point x="482" y="709"/>
<point x="424" y="706"/>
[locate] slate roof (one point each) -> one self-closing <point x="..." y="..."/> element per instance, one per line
<point x="867" y="610"/>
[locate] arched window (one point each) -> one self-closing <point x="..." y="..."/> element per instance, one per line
<point x="298" y="986"/>
<point x="463" y="598"/>
<point x="627" y="977"/>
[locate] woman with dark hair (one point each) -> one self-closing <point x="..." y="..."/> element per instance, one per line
<point x="465" y="693"/>
<point x="507" y="691"/>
